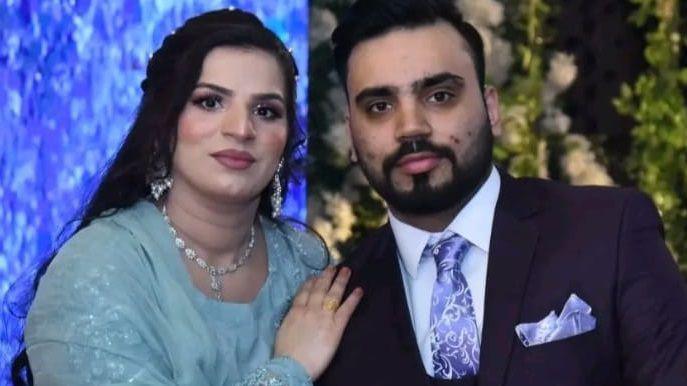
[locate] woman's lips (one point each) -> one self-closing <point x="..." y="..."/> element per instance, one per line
<point x="234" y="159"/>
<point x="418" y="163"/>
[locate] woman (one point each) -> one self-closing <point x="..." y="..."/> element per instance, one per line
<point x="181" y="271"/>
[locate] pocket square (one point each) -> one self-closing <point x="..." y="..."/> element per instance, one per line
<point x="575" y="319"/>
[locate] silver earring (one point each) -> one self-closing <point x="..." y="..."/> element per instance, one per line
<point x="160" y="186"/>
<point x="276" y="198"/>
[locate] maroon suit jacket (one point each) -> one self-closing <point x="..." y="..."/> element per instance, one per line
<point x="548" y="241"/>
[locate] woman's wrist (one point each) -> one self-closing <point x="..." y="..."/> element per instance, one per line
<point x="293" y="367"/>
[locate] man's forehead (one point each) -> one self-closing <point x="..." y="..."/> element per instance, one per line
<point x="403" y="56"/>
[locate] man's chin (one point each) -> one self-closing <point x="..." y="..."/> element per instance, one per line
<point x="421" y="202"/>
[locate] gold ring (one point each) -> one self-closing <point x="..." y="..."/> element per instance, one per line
<point x="330" y="304"/>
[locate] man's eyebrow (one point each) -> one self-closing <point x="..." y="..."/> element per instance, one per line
<point x="437" y="79"/>
<point x="375" y="92"/>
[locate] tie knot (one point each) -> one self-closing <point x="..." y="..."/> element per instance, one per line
<point x="450" y="253"/>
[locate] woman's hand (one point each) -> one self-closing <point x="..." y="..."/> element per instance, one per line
<point x="312" y="329"/>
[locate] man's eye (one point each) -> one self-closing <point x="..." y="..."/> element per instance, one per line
<point x="379" y="107"/>
<point x="440" y="97"/>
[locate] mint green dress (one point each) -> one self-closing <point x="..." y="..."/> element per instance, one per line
<point x="117" y="306"/>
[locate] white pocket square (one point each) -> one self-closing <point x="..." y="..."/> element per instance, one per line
<point x="576" y="318"/>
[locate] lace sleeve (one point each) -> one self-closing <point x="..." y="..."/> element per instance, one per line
<point x="281" y="371"/>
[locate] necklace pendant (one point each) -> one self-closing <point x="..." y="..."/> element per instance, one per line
<point x="216" y="273"/>
<point x="216" y="283"/>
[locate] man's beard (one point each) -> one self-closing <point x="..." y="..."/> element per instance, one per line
<point x="422" y="199"/>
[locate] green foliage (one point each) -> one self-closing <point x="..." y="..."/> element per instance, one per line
<point x="656" y="101"/>
<point x="523" y="150"/>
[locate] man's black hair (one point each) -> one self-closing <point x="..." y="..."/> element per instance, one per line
<point x="367" y="19"/>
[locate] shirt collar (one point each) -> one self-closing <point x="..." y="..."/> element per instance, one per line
<point x="474" y="223"/>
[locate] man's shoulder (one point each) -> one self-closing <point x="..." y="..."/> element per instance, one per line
<point x="562" y="196"/>
<point x="377" y="244"/>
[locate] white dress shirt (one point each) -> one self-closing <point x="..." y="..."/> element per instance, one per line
<point x="474" y="223"/>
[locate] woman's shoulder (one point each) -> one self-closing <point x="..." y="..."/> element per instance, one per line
<point x="305" y="246"/>
<point x="107" y="247"/>
<point x="105" y="237"/>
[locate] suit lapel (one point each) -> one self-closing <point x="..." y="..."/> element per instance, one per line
<point x="402" y="321"/>
<point x="513" y="243"/>
<point x="386" y="271"/>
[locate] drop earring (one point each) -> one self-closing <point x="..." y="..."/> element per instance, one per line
<point x="277" y="198"/>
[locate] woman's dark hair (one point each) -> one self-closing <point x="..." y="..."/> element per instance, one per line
<point x="171" y="76"/>
<point x="367" y="19"/>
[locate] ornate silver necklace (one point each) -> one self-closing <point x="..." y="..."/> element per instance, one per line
<point x="216" y="273"/>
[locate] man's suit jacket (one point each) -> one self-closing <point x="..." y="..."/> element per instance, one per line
<point x="548" y="241"/>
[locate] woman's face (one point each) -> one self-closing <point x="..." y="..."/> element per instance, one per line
<point x="233" y="129"/>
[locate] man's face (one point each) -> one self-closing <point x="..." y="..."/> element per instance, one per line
<point x="418" y="120"/>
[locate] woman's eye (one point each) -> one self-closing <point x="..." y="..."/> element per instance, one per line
<point x="267" y="112"/>
<point x="440" y="97"/>
<point x="379" y="107"/>
<point x="209" y="103"/>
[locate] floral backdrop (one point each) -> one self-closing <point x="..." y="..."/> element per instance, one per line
<point x="532" y="77"/>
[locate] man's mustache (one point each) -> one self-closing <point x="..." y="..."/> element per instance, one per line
<point x="416" y="146"/>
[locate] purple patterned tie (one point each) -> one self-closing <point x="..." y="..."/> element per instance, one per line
<point x="455" y="338"/>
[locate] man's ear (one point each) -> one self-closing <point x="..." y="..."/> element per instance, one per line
<point x="491" y="101"/>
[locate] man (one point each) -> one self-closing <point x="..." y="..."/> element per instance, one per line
<point x="480" y="278"/>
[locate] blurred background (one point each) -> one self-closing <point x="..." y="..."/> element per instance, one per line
<point x="592" y="92"/>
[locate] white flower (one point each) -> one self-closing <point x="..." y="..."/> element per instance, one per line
<point x="337" y="137"/>
<point x="341" y="212"/>
<point x="499" y="61"/>
<point x="562" y="73"/>
<point x="482" y="12"/>
<point x="510" y="138"/>
<point x="498" y="53"/>
<point x="554" y="121"/>
<point x="513" y="123"/>
<point x="580" y="165"/>
<point x="336" y="224"/>
<point x="577" y="141"/>
<point x="322" y="24"/>
<point x="543" y="159"/>
<point x="594" y="175"/>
